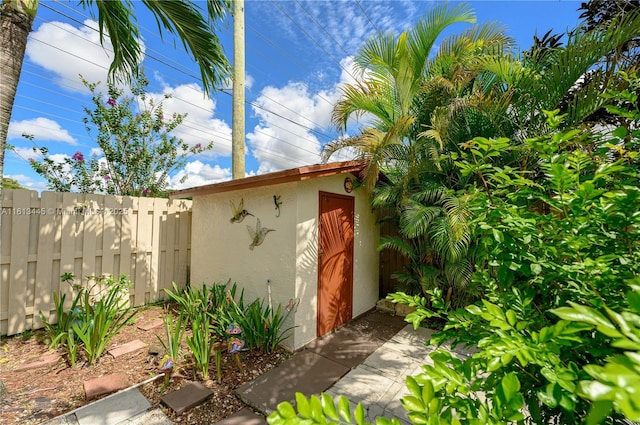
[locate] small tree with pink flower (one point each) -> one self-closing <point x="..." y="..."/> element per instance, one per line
<point x="134" y="135"/>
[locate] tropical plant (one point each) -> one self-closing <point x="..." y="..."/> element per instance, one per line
<point x="201" y="342"/>
<point x="209" y="298"/>
<point x="174" y="332"/>
<point x="97" y="313"/>
<point x="263" y="327"/>
<point x="394" y="69"/>
<point x="116" y="20"/>
<point x="134" y="135"/>
<point x="102" y="315"/>
<point x="64" y="317"/>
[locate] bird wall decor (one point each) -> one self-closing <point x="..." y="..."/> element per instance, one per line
<point x="239" y="213"/>
<point x="258" y="234"/>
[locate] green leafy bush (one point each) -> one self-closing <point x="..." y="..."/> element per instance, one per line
<point x="97" y="313"/>
<point x="263" y="326"/>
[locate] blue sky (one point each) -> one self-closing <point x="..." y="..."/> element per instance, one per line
<point x="298" y="52"/>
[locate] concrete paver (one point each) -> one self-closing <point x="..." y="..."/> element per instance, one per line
<point x="245" y="416"/>
<point x="191" y="395"/>
<point x="129" y="347"/>
<point x="42" y="361"/>
<point x="363" y="384"/>
<point x="114" y="409"/>
<point x="105" y="384"/>
<point x="152" y="417"/>
<point x="305" y="372"/>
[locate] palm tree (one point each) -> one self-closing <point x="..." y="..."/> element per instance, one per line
<point x="394" y="67"/>
<point x="116" y="20"/>
<point x="431" y="222"/>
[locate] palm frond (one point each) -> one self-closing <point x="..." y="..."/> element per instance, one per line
<point x="416" y="219"/>
<point x="117" y="21"/>
<point x="425" y="33"/>
<point x="183" y="19"/>
<point x="398" y="244"/>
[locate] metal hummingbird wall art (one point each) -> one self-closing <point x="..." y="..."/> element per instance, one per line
<point x="239" y="213"/>
<point x="258" y="234"/>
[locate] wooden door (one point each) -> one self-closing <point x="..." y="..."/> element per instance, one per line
<point x="335" y="261"/>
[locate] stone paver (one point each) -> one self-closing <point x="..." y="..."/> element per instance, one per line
<point x="151" y="325"/>
<point x="114" y="409"/>
<point x="105" y="384"/>
<point x="187" y="397"/>
<point x="42" y="361"/>
<point x="305" y="372"/>
<point x="245" y="416"/>
<point x="129" y="347"/>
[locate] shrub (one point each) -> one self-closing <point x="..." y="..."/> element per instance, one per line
<point x="98" y="312"/>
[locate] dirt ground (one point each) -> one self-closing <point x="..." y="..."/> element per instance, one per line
<point x="36" y="395"/>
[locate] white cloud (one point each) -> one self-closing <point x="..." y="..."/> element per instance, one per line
<point x="199" y="126"/>
<point x="69" y="51"/>
<point x="26" y="153"/>
<point x="42" y="129"/>
<point x="277" y="142"/>
<point x="198" y="173"/>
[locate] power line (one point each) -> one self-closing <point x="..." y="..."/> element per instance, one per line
<point x="284" y="12"/>
<point x="310" y="129"/>
<point x="364" y="12"/>
<point x="322" y="28"/>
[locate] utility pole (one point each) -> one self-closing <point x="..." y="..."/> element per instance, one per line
<point x="237" y="118"/>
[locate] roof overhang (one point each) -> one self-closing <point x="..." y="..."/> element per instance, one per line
<point x="286" y="176"/>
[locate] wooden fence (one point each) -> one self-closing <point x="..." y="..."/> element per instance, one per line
<point x="41" y="238"/>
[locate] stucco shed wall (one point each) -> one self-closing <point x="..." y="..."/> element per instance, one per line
<point x="220" y="249"/>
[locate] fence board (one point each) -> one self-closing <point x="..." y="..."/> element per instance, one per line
<point x="90" y="217"/>
<point x="170" y="245"/>
<point x="155" y="253"/>
<point x="115" y="234"/>
<point x="44" y="261"/>
<point x="18" y="263"/>
<point x="143" y="238"/>
<point x="109" y="237"/>
<point x="67" y="243"/>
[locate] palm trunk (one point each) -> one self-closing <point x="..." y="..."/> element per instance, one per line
<point x="16" y="19"/>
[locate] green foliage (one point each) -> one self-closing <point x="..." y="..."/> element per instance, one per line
<point x="263" y="327"/>
<point x="211" y="310"/>
<point x="8" y="183"/>
<point x="102" y="315"/>
<point x="97" y="313"/>
<point x="568" y="234"/>
<point x="174" y="332"/>
<point x="201" y="342"/>
<point x="134" y="136"/>
<point x="322" y="410"/>
<point x="615" y="383"/>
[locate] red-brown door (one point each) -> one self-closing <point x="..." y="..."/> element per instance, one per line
<point x="335" y="261"/>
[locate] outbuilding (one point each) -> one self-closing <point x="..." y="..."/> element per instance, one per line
<point x="304" y="237"/>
